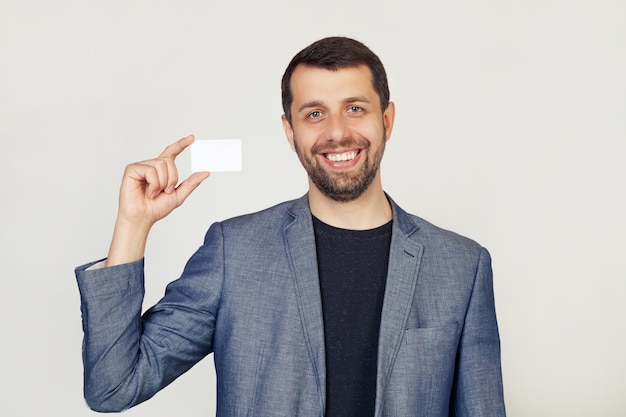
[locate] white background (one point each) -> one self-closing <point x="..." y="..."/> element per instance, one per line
<point x="510" y="129"/>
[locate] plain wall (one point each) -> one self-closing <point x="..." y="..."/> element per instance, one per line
<point x="510" y="129"/>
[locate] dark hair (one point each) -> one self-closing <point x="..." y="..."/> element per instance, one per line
<point x="332" y="54"/>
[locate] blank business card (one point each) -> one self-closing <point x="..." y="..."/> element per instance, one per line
<point x="216" y="155"/>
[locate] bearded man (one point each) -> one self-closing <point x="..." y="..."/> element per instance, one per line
<point x="338" y="303"/>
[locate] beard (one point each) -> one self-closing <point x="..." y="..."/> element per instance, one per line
<point x="342" y="186"/>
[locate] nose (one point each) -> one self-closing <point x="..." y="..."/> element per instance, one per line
<point x="337" y="128"/>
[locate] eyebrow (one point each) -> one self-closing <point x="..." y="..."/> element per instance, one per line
<point x="319" y="103"/>
<point x="357" y="99"/>
<point x="310" y="104"/>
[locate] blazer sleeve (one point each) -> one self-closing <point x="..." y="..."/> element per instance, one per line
<point x="128" y="357"/>
<point x="478" y="384"/>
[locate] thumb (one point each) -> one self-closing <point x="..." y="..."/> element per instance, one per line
<point x="186" y="187"/>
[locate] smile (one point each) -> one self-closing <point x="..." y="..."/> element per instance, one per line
<point x="341" y="157"/>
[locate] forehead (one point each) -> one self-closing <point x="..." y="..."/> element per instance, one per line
<point x="312" y="83"/>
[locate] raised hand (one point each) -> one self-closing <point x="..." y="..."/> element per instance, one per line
<point x="148" y="193"/>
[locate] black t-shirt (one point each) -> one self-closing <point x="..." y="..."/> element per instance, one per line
<point x="352" y="271"/>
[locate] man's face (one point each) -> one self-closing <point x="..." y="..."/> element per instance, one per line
<point x="338" y="129"/>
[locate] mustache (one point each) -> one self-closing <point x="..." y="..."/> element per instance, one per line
<point x="328" y="146"/>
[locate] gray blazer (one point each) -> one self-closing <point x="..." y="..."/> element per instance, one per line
<point x="250" y="295"/>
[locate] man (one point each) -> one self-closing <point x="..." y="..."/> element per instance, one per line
<point x="337" y="304"/>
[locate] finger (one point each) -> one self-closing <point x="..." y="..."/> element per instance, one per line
<point x="167" y="171"/>
<point x="172" y="175"/>
<point x="155" y="183"/>
<point x="186" y="187"/>
<point x="153" y="174"/>
<point x="177" y="147"/>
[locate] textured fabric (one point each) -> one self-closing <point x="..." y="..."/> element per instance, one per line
<point x="352" y="268"/>
<point x="251" y="295"/>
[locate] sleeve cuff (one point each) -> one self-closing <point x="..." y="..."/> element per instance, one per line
<point x="94" y="279"/>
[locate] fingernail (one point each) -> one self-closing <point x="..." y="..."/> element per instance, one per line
<point x="169" y="189"/>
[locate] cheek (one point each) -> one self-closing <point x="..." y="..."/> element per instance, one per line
<point x="371" y="127"/>
<point x="305" y="138"/>
<point x="373" y="134"/>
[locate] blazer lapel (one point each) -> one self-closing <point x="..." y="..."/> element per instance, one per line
<point x="404" y="259"/>
<point x="300" y="242"/>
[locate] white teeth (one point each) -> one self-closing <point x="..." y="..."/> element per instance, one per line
<point x="340" y="157"/>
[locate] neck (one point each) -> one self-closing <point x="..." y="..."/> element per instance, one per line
<point x="370" y="210"/>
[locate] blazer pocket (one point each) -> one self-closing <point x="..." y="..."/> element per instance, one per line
<point x="432" y="336"/>
<point x="425" y="367"/>
<point x="432" y="350"/>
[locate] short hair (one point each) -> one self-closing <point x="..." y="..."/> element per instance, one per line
<point x="334" y="53"/>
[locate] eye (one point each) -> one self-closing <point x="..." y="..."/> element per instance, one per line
<point x="316" y="114"/>
<point x="355" y="109"/>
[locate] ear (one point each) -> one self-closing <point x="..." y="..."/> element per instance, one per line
<point x="288" y="131"/>
<point x="388" y="117"/>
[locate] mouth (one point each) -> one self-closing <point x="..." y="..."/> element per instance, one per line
<point x="342" y="156"/>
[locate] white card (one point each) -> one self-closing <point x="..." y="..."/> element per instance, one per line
<point x="216" y="155"/>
